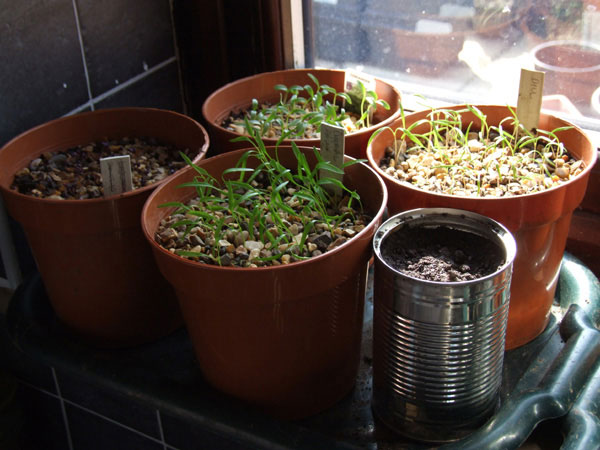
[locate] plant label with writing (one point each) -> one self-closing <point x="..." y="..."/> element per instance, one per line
<point x="353" y="89"/>
<point x="332" y="151"/>
<point x="352" y="79"/>
<point x="116" y="174"/>
<point x="529" y="103"/>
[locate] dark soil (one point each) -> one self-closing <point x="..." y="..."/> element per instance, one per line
<point x="75" y="173"/>
<point x="441" y="254"/>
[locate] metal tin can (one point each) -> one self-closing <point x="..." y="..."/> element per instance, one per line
<point x="438" y="347"/>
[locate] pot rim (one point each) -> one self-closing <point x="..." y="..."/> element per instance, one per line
<point x="52" y="123"/>
<point x="271" y="141"/>
<point x="596" y="100"/>
<point x="503" y="236"/>
<point x="375" y="164"/>
<point x="585" y="45"/>
<point x="369" y="228"/>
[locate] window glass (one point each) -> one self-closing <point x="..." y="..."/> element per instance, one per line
<point x="466" y="50"/>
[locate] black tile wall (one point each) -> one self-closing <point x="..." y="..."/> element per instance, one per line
<point x="159" y="89"/>
<point x="45" y="73"/>
<point x="92" y="432"/>
<point x="109" y="404"/>
<point x="123" y="38"/>
<point x="42" y="71"/>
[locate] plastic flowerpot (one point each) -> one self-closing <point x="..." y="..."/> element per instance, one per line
<point x="286" y="338"/>
<point x="572" y="68"/>
<point x="96" y="266"/>
<point x="238" y="95"/>
<point x="539" y="222"/>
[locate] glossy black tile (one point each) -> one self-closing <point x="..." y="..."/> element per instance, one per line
<point x="42" y="70"/>
<point x="91" y="432"/>
<point x="21" y="365"/>
<point x="188" y="435"/>
<point x="123" y="39"/>
<point x="43" y="424"/>
<point x="158" y="90"/>
<point x="110" y="404"/>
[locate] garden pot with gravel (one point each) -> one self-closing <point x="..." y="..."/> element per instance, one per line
<point x="471" y="158"/>
<point x="96" y="266"/>
<point x="297" y="100"/>
<point x="270" y="271"/>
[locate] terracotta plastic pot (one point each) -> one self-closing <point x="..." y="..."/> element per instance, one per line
<point x="96" y="266"/>
<point x="390" y="27"/>
<point x="539" y="222"/>
<point x="238" y="95"/>
<point x="572" y="68"/>
<point x="285" y="338"/>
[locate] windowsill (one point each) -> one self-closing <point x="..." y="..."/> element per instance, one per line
<point x="163" y="376"/>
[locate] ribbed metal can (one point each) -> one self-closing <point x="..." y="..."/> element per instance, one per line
<point x="438" y="347"/>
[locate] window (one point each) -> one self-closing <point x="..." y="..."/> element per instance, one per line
<point x="465" y="50"/>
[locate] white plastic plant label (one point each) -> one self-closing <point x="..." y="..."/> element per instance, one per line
<point x="529" y="103"/>
<point x="353" y="89"/>
<point x="116" y="174"/>
<point x="352" y="79"/>
<point x="332" y="151"/>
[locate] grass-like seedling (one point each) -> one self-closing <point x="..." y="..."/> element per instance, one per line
<point x="258" y="213"/>
<point x="301" y="110"/>
<point x="442" y="154"/>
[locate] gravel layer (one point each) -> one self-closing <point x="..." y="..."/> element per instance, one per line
<point x="237" y="246"/>
<point x="75" y="173"/>
<point x="478" y="171"/>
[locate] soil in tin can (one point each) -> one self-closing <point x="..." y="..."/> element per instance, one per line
<point x="441" y="254"/>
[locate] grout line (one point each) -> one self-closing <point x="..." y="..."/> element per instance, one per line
<point x="63" y="409"/>
<point x="37" y="388"/>
<point x="113" y="421"/>
<point x="64" y="401"/>
<point x="91" y="103"/>
<point x="160" y="430"/>
<point x="81" y="47"/>
<point x="178" y="58"/>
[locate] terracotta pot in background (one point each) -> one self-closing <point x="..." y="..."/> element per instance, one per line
<point x="539" y="222"/>
<point x="96" y="266"/>
<point x="572" y="68"/>
<point x="285" y="338"/>
<point x="394" y="43"/>
<point x="238" y="95"/>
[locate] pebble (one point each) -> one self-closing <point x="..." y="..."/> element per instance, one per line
<point x="254" y="245"/>
<point x="562" y="171"/>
